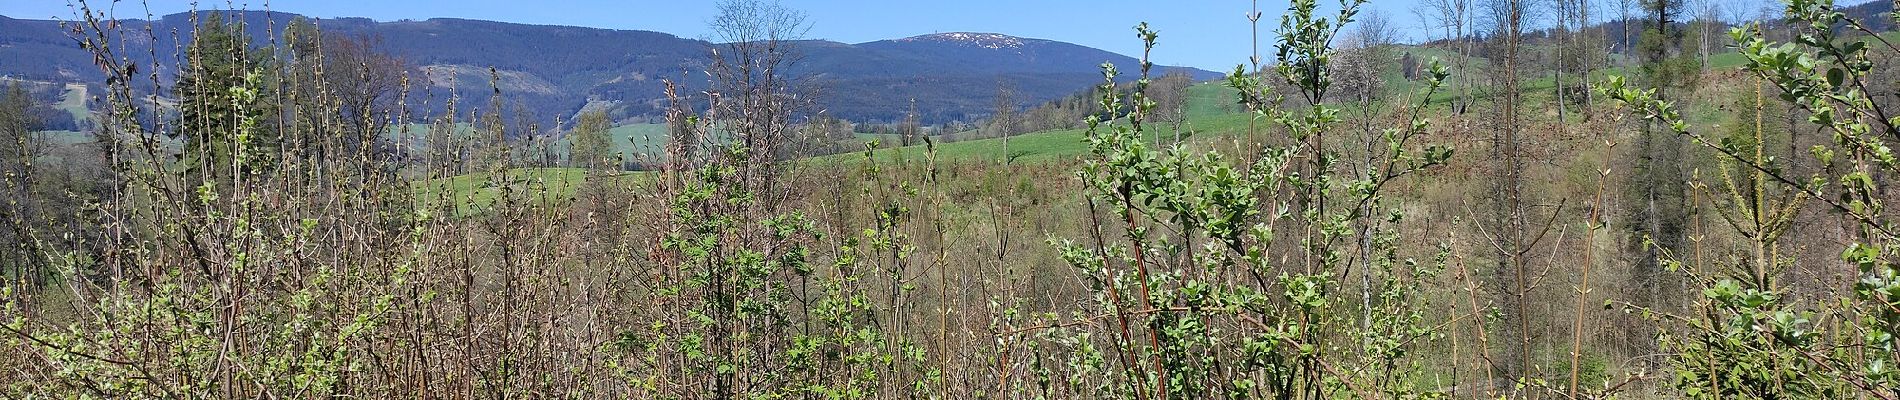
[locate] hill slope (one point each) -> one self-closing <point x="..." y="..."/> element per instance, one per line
<point x="557" y="70"/>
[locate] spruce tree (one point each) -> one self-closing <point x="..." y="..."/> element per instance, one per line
<point x="223" y="104"/>
<point x="1656" y="201"/>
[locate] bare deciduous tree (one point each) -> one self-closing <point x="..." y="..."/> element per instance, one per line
<point x="589" y="145"/>
<point x="1364" y="56"/>
<point x="1455" y="17"/>
<point x="344" y="86"/>
<point x="1003" y="123"/>
<point x="1708" y="16"/>
<point x="1170" y="95"/>
<point x="753" y="93"/>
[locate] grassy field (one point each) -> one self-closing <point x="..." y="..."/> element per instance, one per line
<point x="475" y="193"/>
<point x="418" y="132"/>
<point x="74" y="101"/>
<point x="630" y="141"/>
<point x="1210" y="109"/>
<point x="1026" y="147"/>
<point x="67" y="138"/>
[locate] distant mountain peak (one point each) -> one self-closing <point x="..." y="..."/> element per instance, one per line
<point x="994" y="41"/>
<point x="553" y="72"/>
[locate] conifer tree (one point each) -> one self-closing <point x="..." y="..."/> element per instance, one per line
<point x="223" y="104"/>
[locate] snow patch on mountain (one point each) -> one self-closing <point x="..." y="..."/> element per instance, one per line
<point x="993" y="41"/>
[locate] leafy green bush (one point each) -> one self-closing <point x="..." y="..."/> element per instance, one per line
<point x="1751" y="337"/>
<point x="1222" y="278"/>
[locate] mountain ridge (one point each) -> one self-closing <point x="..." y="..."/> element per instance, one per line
<point x="951" y="76"/>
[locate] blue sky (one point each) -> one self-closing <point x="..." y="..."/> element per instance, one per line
<point x="1210" y="34"/>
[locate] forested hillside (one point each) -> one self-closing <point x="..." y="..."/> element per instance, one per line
<point x="556" y="72"/>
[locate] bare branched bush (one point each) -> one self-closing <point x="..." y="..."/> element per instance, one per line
<point x="264" y="216"/>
